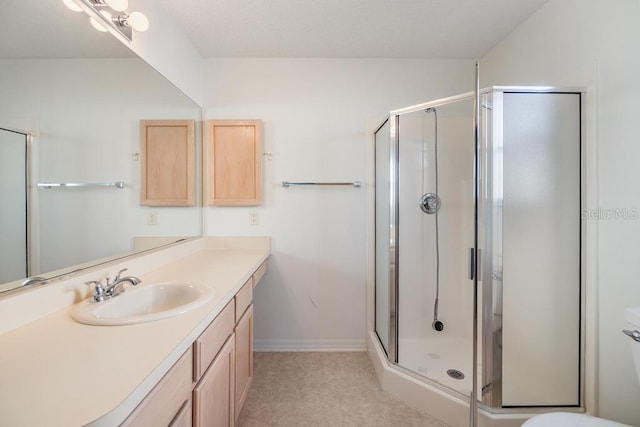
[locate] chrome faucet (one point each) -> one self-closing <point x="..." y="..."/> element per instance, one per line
<point x="117" y="287"/>
<point x="114" y="289"/>
<point x="98" y="291"/>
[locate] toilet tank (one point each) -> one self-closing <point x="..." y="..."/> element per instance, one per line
<point x="632" y="316"/>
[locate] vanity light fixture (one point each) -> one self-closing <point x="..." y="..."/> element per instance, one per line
<point x="136" y="20"/>
<point x="117" y="5"/>
<point x="111" y="14"/>
<point x="72" y="5"/>
<point x="97" y="24"/>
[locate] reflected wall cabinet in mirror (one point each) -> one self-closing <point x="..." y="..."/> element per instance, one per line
<point x="167" y="162"/>
<point x="233" y="162"/>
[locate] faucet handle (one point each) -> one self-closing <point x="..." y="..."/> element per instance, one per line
<point x="98" y="291"/>
<point x="115" y="280"/>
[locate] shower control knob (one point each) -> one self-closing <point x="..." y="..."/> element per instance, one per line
<point x="430" y="203"/>
<point x="438" y="325"/>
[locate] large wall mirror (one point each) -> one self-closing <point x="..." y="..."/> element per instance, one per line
<point x="71" y="100"/>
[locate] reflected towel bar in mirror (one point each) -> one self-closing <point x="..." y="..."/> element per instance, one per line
<point x="355" y="184"/>
<point x="48" y="185"/>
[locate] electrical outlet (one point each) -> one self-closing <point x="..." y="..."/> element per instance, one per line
<point x="152" y="218"/>
<point x="253" y="218"/>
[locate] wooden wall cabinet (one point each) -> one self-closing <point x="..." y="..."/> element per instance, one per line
<point x="167" y="162"/>
<point x="233" y="162"/>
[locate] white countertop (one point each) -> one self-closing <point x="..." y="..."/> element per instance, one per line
<point x="57" y="372"/>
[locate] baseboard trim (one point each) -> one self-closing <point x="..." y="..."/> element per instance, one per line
<point x="309" y="345"/>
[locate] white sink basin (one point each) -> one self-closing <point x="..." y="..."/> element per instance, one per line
<point x="144" y="303"/>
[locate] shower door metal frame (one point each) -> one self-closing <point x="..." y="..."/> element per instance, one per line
<point x="473" y="404"/>
<point x="394" y="216"/>
<point x="394" y="121"/>
<point x="30" y="242"/>
<point x="491" y="397"/>
<point x="392" y="312"/>
<point x="491" y="298"/>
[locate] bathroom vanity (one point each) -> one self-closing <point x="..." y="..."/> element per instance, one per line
<point x="191" y="369"/>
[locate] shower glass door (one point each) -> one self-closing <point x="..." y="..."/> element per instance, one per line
<point x="13" y="215"/>
<point x="435" y="234"/>
<point x="510" y="201"/>
<point x="385" y="259"/>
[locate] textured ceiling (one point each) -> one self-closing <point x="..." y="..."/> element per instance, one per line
<point x="348" y="28"/>
<point x="281" y="28"/>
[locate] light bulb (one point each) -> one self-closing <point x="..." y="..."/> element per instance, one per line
<point x="99" y="25"/>
<point x="118" y="5"/>
<point x="72" y="5"/>
<point x="138" y="21"/>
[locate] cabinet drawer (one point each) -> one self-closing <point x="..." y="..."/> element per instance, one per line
<point x="243" y="298"/>
<point x="259" y="273"/>
<point x="211" y="340"/>
<point x="167" y="398"/>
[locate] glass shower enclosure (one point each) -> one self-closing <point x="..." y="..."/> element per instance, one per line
<point x="14" y="184"/>
<point x="525" y="218"/>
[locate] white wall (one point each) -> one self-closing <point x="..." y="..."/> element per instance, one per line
<point x="167" y="49"/>
<point x="319" y="116"/>
<point x="87" y="131"/>
<point x="595" y="45"/>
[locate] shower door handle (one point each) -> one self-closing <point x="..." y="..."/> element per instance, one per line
<point x="635" y="335"/>
<point x="473" y="269"/>
<point x="472" y="263"/>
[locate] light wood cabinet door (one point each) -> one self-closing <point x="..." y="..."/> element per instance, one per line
<point x="184" y="417"/>
<point x="214" y="396"/>
<point x="233" y="162"/>
<point x="167" y="160"/>
<point x="244" y="357"/>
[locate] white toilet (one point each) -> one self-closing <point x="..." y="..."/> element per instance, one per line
<point x="565" y="419"/>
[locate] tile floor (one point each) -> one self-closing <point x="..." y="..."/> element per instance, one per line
<point x="322" y="389"/>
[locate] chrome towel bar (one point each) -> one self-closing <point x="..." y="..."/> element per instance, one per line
<point x="48" y="185"/>
<point x="355" y="184"/>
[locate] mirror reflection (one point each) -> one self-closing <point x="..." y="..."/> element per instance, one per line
<point x="71" y="102"/>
